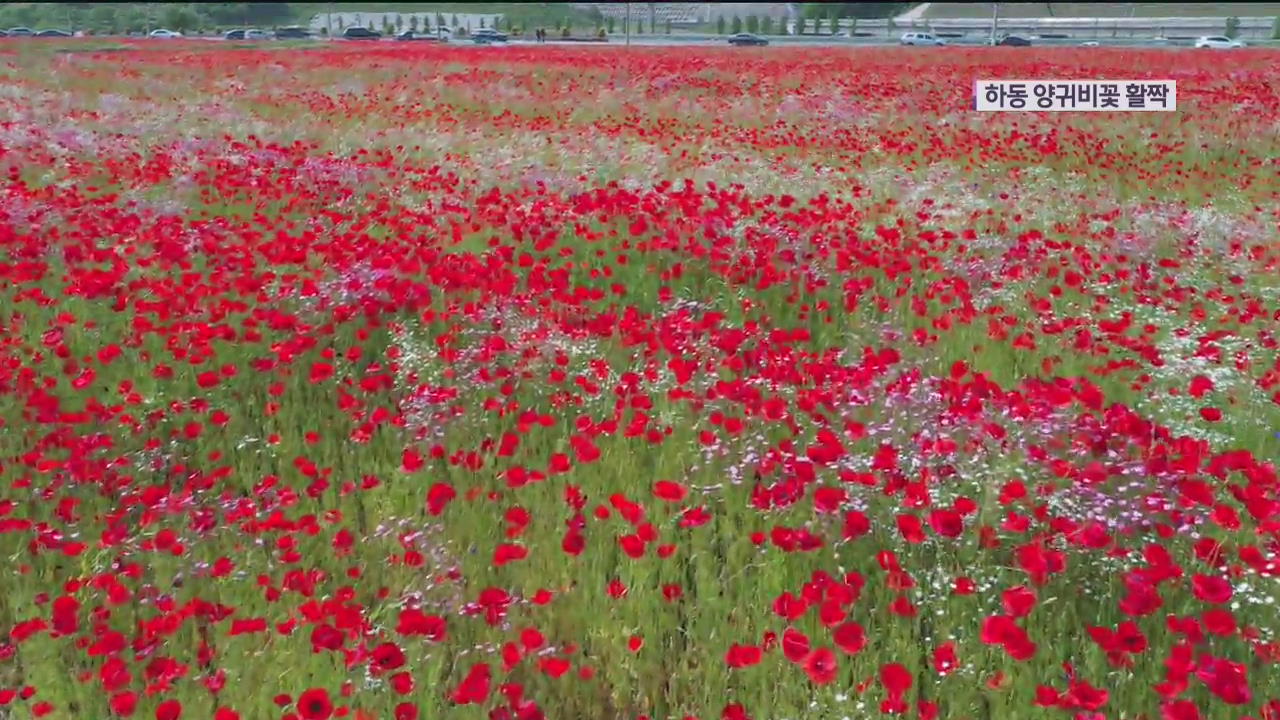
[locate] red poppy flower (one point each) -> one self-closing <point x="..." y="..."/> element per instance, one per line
<point x="821" y="666"/>
<point x="314" y="704"/>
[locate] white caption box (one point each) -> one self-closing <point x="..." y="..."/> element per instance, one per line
<point x="1075" y="95"/>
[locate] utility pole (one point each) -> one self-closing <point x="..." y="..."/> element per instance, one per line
<point x="995" y="20"/>
<point x="628" y="24"/>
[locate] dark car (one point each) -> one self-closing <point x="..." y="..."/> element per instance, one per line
<point x="489" y="34"/>
<point x="54" y="33"/>
<point x="293" y="32"/>
<point x="1014" y="41"/>
<point x="747" y="39"/>
<point x="233" y="35"/>
<point x="359" y="33"/>
<point x="21" y="32"/>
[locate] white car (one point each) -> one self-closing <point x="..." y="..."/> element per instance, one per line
<point x="257" y="35"/>
<point x="162" y="33"/>
<point x="1218" y="42"/>
<point x="921" y="38"/>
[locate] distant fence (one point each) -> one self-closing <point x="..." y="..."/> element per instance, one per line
<point x="1080" y="28"/>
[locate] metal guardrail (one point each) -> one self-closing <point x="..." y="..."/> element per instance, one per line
<point x="1094" y="28"/>
<point x="975" y="40"/>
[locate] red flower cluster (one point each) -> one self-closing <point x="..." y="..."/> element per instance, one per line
<point x="389" y="382"/>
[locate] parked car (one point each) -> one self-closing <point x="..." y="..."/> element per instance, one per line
<point x="1014" y="41"/>
<point x="293" y="32"/>
<point x="441" y="31"/>
<point x="21" y="32"/>
<point x="922" y="38"/>
<point x="237" y="34"/>
<point x="165" y="34"/>
<point x="1089" y="43"/>
<point x="1218" y="42"/>
<point x="409" y="36"/>
<point x="489" y="34"/>
<point x="747" y="39"/>
<point x="359" y="33"/>
<point x="4" y="33"/>
<point x="54" y="33"/>
<point x="257" y="35"/>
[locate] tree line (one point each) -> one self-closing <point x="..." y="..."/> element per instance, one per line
<point x="138" y="17"/>
<point x="114" y="18"/>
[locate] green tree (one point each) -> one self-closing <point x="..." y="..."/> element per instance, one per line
<point x="133" y="19"/>
<point x="341" y="23"/>
<point x="800" y="23"/>
<point x="265" y="13"/>
<point x="868" y="10"/>
<point x="455" y="21"/>
<point x="103" y="19"/>
<point x="179" y="17"/>
<point x="1275" y="28"/>
<point x="833" y="17"/>
<point x="1233" y="27"/>
<point x="608" y="24"/>
<point x="668" y="26"/>
<point x="224" y="13"/>
<point x="413" y="23"/>
<point x="753" y="24"/>
<point x="766" y="25"/>
<point x="720" y="25"/>
<point x="481" y="23"/>
<point x="21" y="14"/>
<point x="737" y="24"/>
<point x="817" y="25"/>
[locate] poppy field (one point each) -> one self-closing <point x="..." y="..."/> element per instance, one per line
<point x="582" y="384"/>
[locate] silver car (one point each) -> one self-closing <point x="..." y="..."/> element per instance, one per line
<point x="922" y="38"/>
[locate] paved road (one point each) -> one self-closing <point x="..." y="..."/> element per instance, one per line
<point x="816" y="41"/>
<point x="774" y="41"/>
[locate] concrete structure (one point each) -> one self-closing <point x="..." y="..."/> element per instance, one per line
<point x="335" y="22"/>
<point x="1247" y="28"/>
